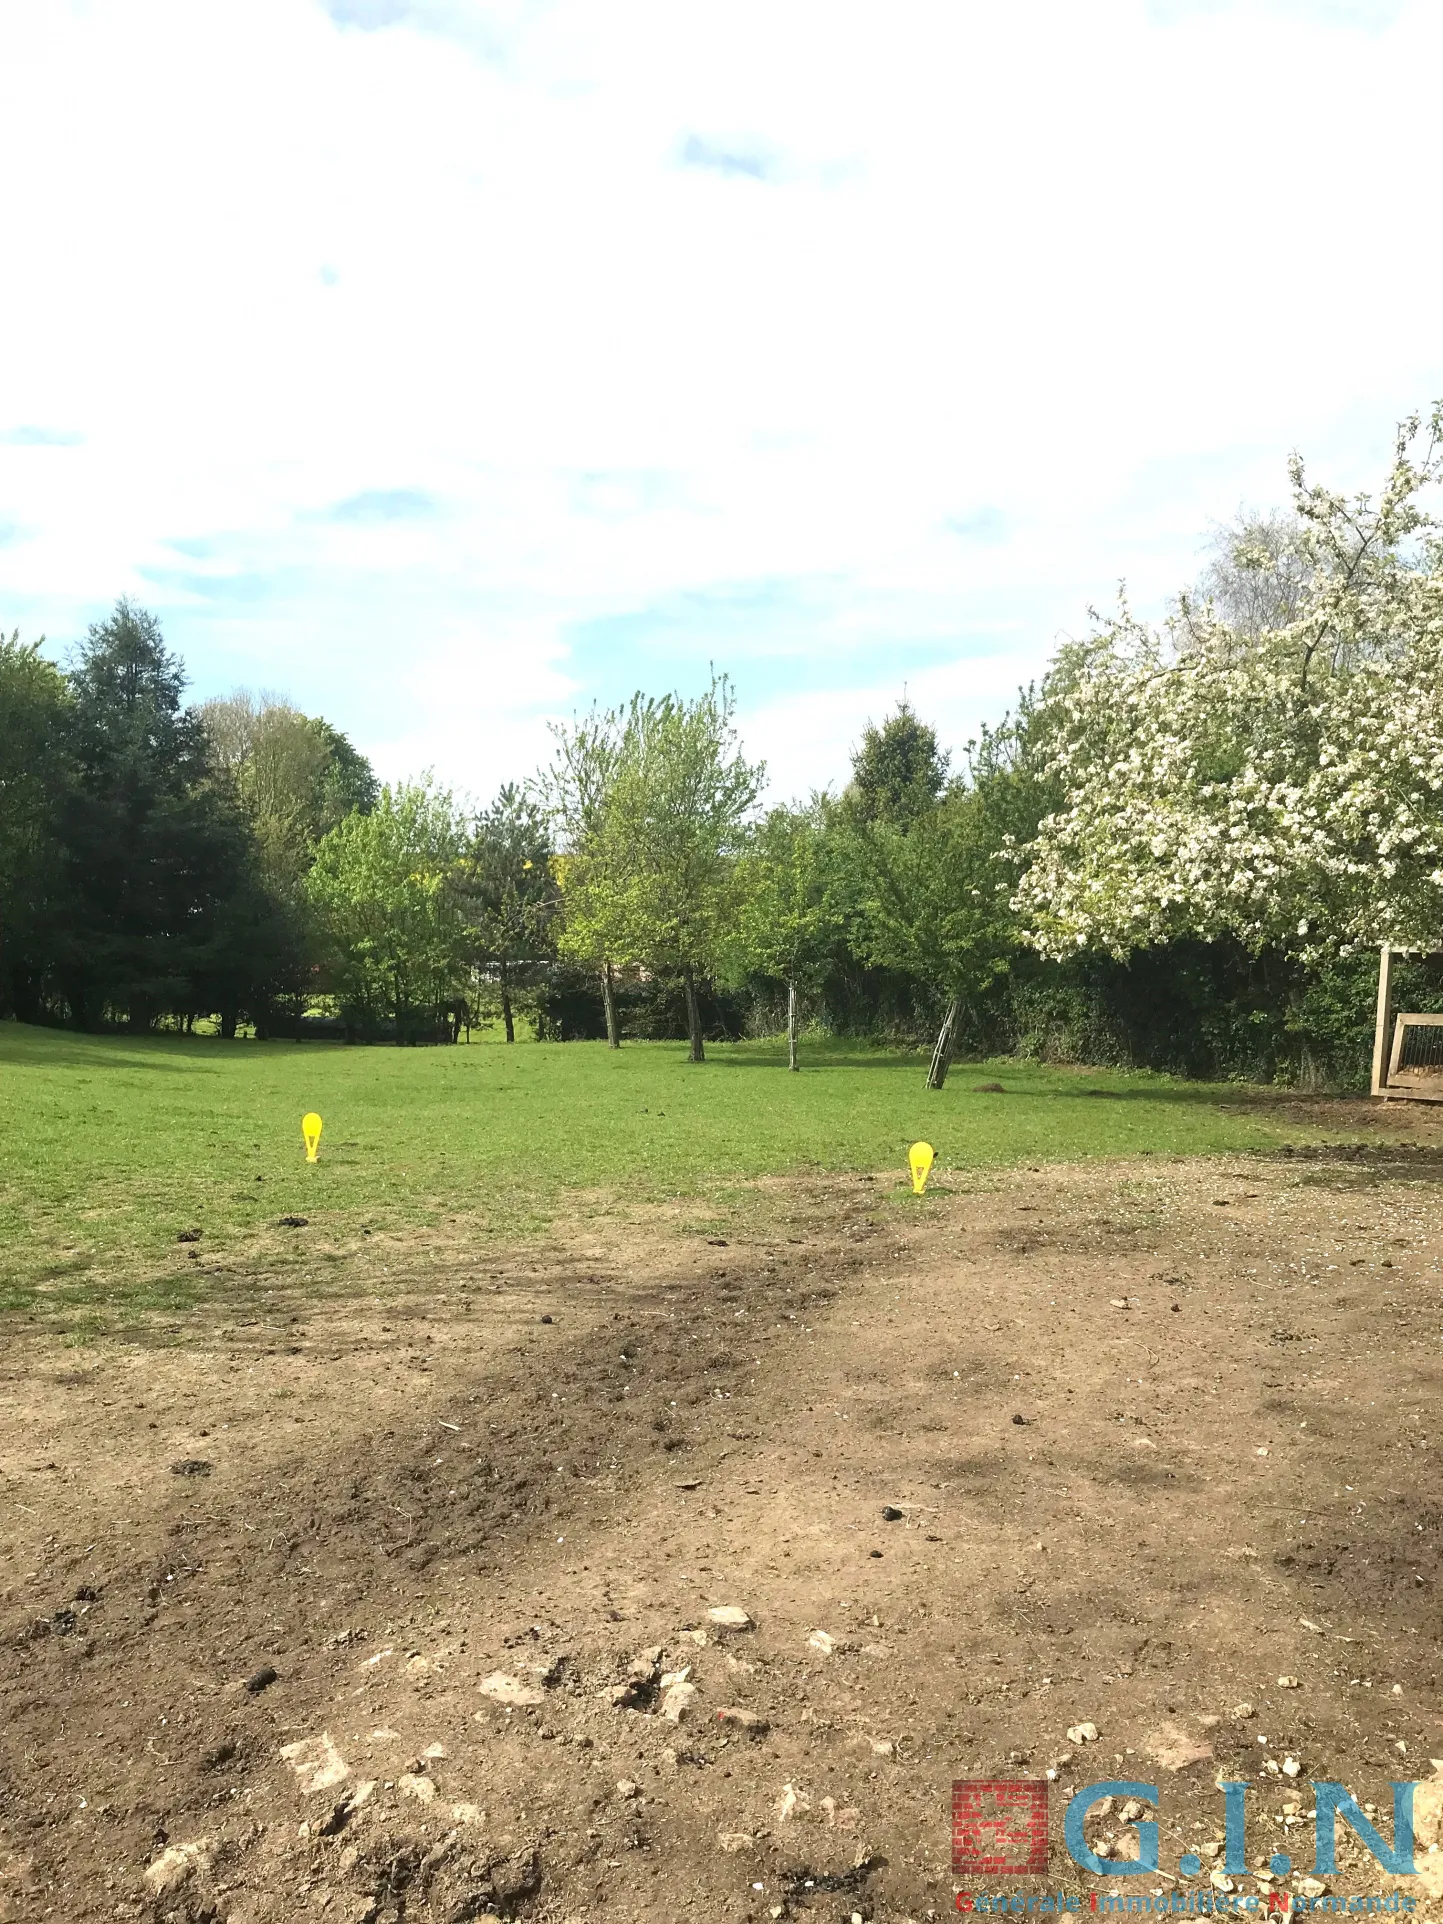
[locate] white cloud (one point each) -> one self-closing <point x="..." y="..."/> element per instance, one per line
<point x="798" y="739"/>
<point x="451" y="363"/>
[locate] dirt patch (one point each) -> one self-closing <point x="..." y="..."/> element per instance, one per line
<point x="1112" y="1447"/>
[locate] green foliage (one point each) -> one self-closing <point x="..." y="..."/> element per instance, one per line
<point x="348" y="783"/>
<point x="789" y="918"/>
<point x="508" y="893"/>
<point x="37" y="777"/>
<point x="297" y="778"/>
<point x="674" y="826"/>
<point x="383" y="884"/>
<point x="656" y="799"/>
<point x="931" y="898"/>
<point x="789" y="915"/>
<point x="161" y="867"/>
<point x="898" y="771"/>
<point x="576" y="793"/>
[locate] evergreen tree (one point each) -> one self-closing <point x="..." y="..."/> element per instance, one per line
<point x="898" y="772"/>
<point x="157" y="853"/>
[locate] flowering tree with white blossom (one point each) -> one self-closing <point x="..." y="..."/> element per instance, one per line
<point x="1284" y="787"/>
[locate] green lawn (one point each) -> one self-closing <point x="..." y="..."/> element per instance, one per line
<point x="111" y="1146"/>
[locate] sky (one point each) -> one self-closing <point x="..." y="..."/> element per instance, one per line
<point x="447" y="365"/>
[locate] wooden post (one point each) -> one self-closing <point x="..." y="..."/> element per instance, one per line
<point x="942" y="1054"/>
<point x="1385" y="1011"/>
<point x="608" y="1003"/>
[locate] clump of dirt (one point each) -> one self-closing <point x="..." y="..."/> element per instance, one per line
<point x="692" y="1601"/>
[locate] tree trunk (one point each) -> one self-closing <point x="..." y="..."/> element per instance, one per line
<point x="693" y="1018"/>
<point x="942" y="1054"/>
<point x="792" y="1026"/>
<point x="506" y="1015"/>
<point x="608" y="1002"/>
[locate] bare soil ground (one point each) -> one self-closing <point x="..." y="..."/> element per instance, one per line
<point x="1158" y="1436"/>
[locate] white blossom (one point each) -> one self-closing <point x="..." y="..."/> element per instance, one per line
<point x="1283" y="789"/>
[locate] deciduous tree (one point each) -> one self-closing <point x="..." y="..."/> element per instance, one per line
<point x="931" y="898"/>
<point x="384" y="883"/>
<point x="37" y="779"/>
<point x="789" y="917"/>
<point x="673" y="828"/>
<point x="1288" y="792"/>
<point x="576" y="792"/>
<point x="508" y="892"/>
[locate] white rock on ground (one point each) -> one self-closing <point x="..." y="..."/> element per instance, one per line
<point x="178" y="1865"/>
<point x="678" y="1701"/>
<point x="317" y="1763"/>
<point x="502" y="1689"/>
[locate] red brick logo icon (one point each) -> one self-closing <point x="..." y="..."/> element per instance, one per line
<point x="999" y="1827"/>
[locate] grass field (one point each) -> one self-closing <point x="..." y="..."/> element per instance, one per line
<point x="109" y="1147"/>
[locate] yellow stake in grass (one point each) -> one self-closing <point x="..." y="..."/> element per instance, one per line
<point x="311" y="1130"/>
<point x="921" y="1156"/>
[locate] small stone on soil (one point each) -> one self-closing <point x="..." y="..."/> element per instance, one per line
<point x="508" y="1690"/>
<point x="317" y="1763"/>
<point x="678" y="1701"/>
<point x="747" y="1720"/>
<point x="190" y="1466"/>
<point x="730" y="1616"/>
<point x="177" y="1865"/>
